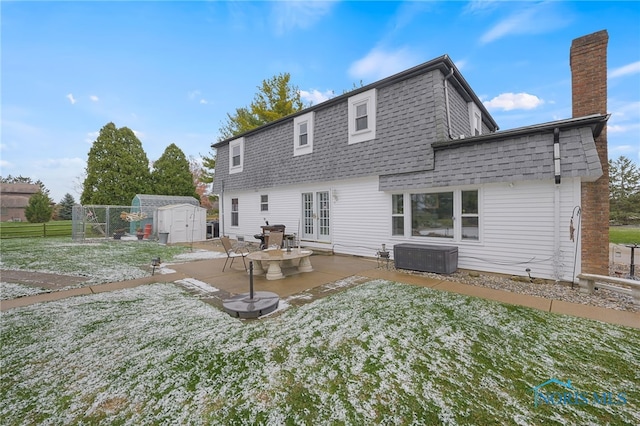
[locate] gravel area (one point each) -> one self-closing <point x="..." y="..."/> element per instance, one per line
<point x="548" y="289"/>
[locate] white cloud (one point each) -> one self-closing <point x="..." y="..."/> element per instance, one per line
<point x="480" y="6"/>
<point x="303" y="14"/>
<point x="632" y="68"/>
<point x="60" y="163"/>
<point x="71" y="98"/>
<point x="460" y="64"/>
<point x="511" y="101"/>
<point x="536" y="18"/>
<point x="196" y="95"/>
<point x="379" y="64"/>
<point x="315" y="96"/>
<point x="622" y="128"/>
<point x="94" y="98"/>
<point x="91" y="137"/>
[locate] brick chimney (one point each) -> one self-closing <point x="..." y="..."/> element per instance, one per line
<point x="589" y="96"/>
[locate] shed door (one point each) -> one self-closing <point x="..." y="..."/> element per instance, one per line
<point x="316" y="216"/>
<point x="180" y="226"/>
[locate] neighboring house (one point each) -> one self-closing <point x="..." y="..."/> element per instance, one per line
<point x="417" y="158"/>
<point x="14" y="198"/>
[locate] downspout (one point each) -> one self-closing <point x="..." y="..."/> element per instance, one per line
<point x="557" y="264"/>
<point x="221" y="231"/>
<point x="446" y="99"/>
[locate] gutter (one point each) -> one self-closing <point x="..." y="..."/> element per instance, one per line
<point x="446" y="102"/>
<point x="595" y="121"/>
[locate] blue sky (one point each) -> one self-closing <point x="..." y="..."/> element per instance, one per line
<point x="171" y="71"/>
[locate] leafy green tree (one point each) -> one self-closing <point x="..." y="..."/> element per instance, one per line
<point x="171" y="174"/>
<point x="117" y="168"/>
<point x="276" y="98"/>
<point x="65" y="207"/>
<point x="624" y="190"/>
<point x="39" y="209"/>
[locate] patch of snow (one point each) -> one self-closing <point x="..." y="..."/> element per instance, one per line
<point x="15" y="290"/>
<point x="200" y="255"/>
<point x="198" y="285"/>
<point x="347" y="282"/>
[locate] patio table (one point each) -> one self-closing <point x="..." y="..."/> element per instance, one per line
<point x="274" y="260"/>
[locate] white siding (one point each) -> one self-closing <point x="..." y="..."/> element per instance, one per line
<point x="518" y="224"/>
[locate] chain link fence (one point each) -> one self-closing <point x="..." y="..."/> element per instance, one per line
<point x="99" y="221"/>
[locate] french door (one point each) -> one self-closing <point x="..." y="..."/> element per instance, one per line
<point x="316" y="216"/>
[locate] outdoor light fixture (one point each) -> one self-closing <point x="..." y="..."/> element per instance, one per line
<point x="155" y="262"/>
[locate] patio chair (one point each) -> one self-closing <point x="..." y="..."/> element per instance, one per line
<point x="233" y="252"/>
<point x="275" y="239"/>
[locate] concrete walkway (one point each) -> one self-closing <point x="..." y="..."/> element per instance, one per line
<point x="327" y="270"/>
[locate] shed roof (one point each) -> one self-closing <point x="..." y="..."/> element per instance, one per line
<point x="176" y="206"/>
<point x="147" y="200"/>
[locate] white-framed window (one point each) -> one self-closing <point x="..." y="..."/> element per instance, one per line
<point x="264" y="203"/>
<point x="475" y="119"/>
<point x="362" y="116"/>
<point x="451" y="214"/>
<point x="397" y="214"/>
<point x="470" y="216"/>
<point x="236" y="156"/>
<point x="235" y="220"/>
<point x="303" y="134"/>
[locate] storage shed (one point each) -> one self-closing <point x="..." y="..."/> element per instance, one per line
<point x="149" y="204"/>
<point x="184" y="223"/>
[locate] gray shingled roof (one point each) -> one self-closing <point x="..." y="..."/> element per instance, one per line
<point x="164" y="200"/>
<point x="443" y="63"/>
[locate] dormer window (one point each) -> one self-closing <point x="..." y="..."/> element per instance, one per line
<point x="303" y="138"/>
<point x="303" y="134"/>
<point x="362" y="116"/>
<point x="236" y="156"/>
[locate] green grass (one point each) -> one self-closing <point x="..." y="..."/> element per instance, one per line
<point x="60" y="228"/>
<point x="624" y="235"/>
<point x="101" y="260"/>
<point x="379" y="353"/>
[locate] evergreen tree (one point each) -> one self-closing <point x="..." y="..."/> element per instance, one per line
<point x="208" y="168"/>
<point x="39" y="209"/>
<point x="624" y="190"/>
<point x="171" y="174"/>
<point x="276" y="98"/>
<point x="117" y="168"/>
<point x="65" y="211"/>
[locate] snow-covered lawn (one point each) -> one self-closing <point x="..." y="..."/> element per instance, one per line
<point x="378" y="353"/>
<point x="100" y="261"/>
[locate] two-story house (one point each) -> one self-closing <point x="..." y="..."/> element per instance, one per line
<point x="416" y="157"/>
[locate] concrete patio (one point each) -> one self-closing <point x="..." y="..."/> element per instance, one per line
<point x="327" y="270"/>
